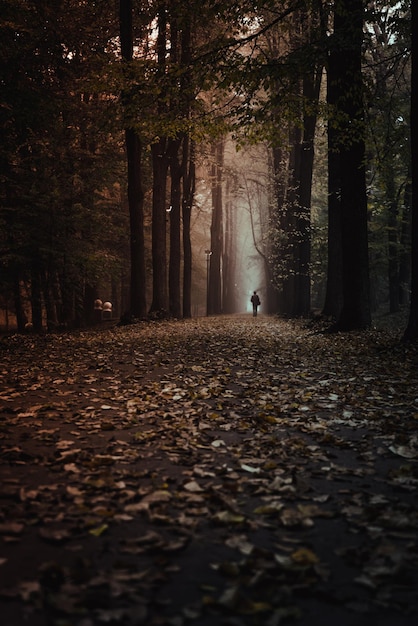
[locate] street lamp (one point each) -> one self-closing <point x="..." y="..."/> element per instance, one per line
<point x="208" y="255"/>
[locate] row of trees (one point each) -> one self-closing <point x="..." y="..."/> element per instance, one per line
<point x="62" y="227"/>
<point x="151" y="92"/>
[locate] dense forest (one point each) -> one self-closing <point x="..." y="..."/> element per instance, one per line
<point x="170" y="157"/>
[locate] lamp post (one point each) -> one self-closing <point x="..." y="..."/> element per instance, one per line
<point x="208" y="255"/>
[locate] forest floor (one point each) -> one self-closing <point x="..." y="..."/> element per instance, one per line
<point x="217" y="471"/>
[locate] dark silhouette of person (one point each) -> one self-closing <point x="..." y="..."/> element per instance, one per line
<point x="255" y="301"/>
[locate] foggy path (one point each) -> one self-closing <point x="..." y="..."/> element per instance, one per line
<point x="222" y="470"/>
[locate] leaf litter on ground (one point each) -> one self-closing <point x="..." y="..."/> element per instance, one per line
<point x="218" y="470"/>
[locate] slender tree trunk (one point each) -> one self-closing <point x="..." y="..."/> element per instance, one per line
<point x="50" y="304"/>
<point x="136" y="220"/>
<point x="135" y="192"/>
<point x="176" y="172"/>
<point x="355" y="313"/>
<point x="216" y="232"/>
<point x="302" y="304"/>
<point x="21" y="318"/>
<point x="187" y="203"/>
<point x="334" y="293"/>
<point x="411" y="331"/>
<point x="186" y="96"/>
<point x="393" y="244"/>
<point x="289" y="213"/>
<point x="67" y="307"/>
<point x="405" y="247"/>
<point x="276" y="267"/>
<point x="175" y="231"/>
<point x="36" y="296"/>
<point x="228" y="273"/>
<point x="159" y="304"/>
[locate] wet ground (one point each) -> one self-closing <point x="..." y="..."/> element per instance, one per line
<point x="224" y="470"/>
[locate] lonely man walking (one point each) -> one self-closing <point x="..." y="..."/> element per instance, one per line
<point x="255" y="300"/>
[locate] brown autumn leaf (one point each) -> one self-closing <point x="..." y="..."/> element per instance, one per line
<point x="138" y="454"/>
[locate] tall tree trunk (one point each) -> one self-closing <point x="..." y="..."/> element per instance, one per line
<point x="21" y="317"/>
<point x="176" y="172"/>
<point x="288" y="224"/>
<point x="411" y="331"/>
<point x="405" y="246"/>
<point x="159" y="305"/>
<point x="275" y="269"/>
<point x="228" y="272"/>
<point x="393" y="244"/>
<point x="186" y="96"/>
<point x="50" y="304"/>
<point x="67" y="292"/>
<point x="189" y="182"/>
<point x="311" y="86"/>
<point x="175" y="231"/>
<point x="348" y="33"/>
<point x="36" y="296"/>
<point x="138" y="304"/>
<point x="135" y="192"/>
<point x="216" y="232"/>
<point x="334" y="292"/>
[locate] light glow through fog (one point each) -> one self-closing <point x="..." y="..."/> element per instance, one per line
<point x="248" y="168"/>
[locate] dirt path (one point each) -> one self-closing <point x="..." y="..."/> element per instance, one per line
<point x="229" y="470"/>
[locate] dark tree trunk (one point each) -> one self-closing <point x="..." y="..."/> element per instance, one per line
<point x="275" y="266"/>
<point x="50" y="304"/>
<point x="405" y="247"/>
<point x="334" y="293"/>
<point x="393" y="245"/>
<point x="21" y="318"/>
<point x="411" y="331"/>
<point x="348" y="33"/>
<point x="176" y="172"/>
<point x="186" y="96"/>
<point x="228" y="271"/>
<point x="187" y="202"/>
<point x="216" y="233"/>
<point x="136" y="220"/>
<point x="135" y="192"/>
<point x="67" y="292"/>
<point x="36" y="296"/>
<point x="302" y="304"/>
<point x="288" y="225"/>
<point x="159" y="304"/>
<point x="175" y="232"/>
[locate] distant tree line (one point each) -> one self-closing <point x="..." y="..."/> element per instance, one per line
<point x="110" y="111"/>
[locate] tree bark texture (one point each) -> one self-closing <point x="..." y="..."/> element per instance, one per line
<point x="348" y="33"/>
<point x="136" y="220"/>
<point x="36" y="296"/>
<point x="216" y="232"/>
<point x="174" y="291"/>
<point x="159" y="304"/>
<point x="411" y="331"/>
<point x="135" y="191"/>
<point x="334" y="293"/>
<point x="405" y="245"/>
<point x="302" y="303"/>
<point x="189" y="183"/>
